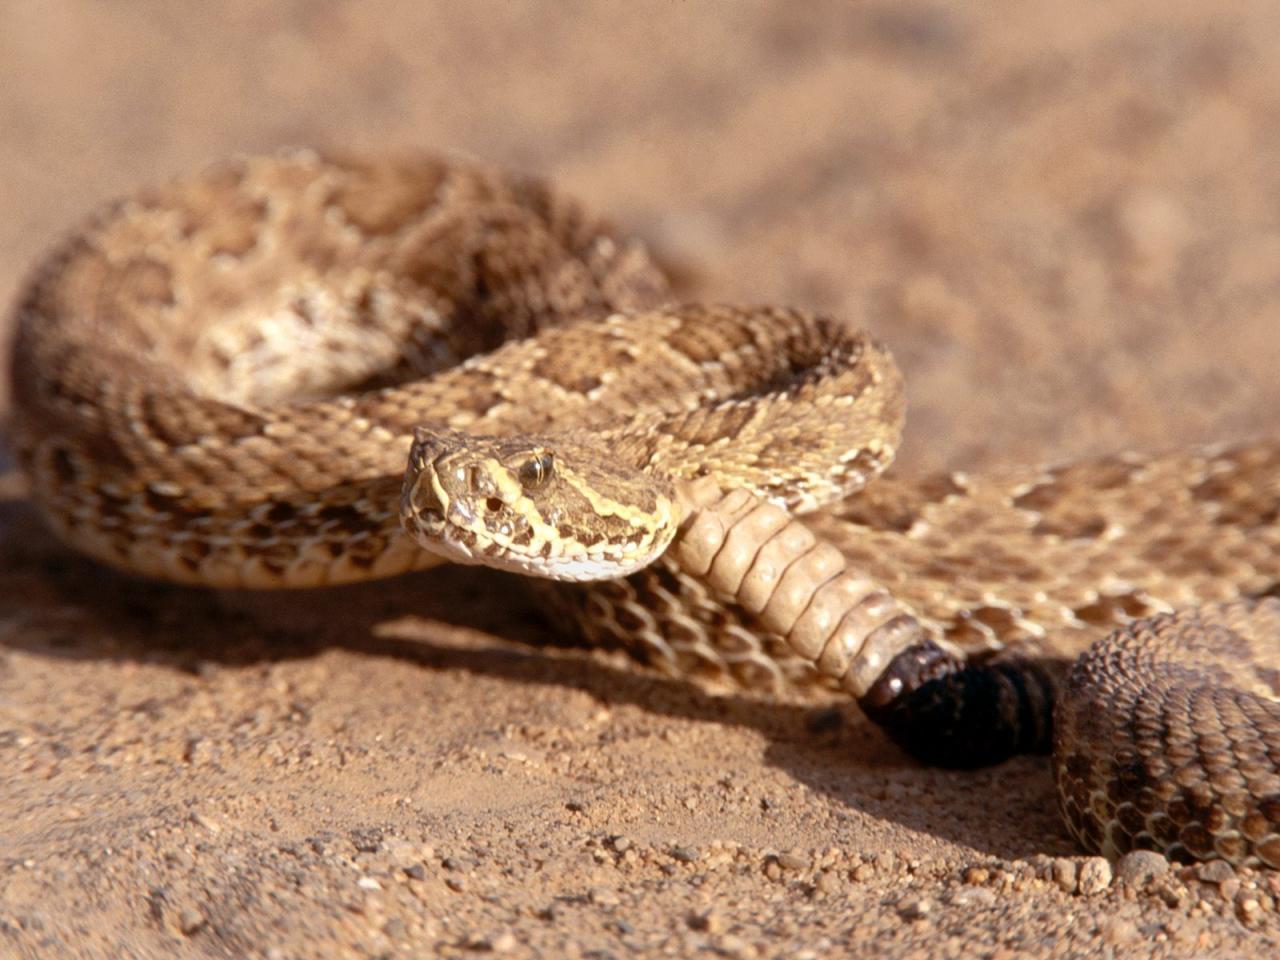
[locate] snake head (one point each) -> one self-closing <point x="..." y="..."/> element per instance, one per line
<point x="556" y="507"/>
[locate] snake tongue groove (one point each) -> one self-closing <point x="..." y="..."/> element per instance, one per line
<point x="221" y="380"/>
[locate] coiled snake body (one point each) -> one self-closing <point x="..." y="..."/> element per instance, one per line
<point x="221" y="381"/>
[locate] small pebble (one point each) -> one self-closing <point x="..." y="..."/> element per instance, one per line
<point x="604" y="897"/>
<point x="504" y="942"/>
<point x="734" y="946"/>
<point x="791" y="861"/>
<point x="620" y="844"/>
<point x="1140" y="867"/>
<point x="685" y="854"/>
<point x="708" y="922"/>
<point x="1170" y="890"/>
<point x="1118" y="931"/>
<point x="1215" y="871"/>
<point x="401" y="852"/>
<point x="827" y="882"/>
<point x="366" y="841"/>
<point x="974" y="897"/>
<point x="200" y="820"/>
<point x="1095" y="876"/>
<point x="1065" y="874"/>
<point x="1041" y="865"/>
<point x="915" y="909"/>
<point x="1248" y="909"/>
<point x="190" y="920"/>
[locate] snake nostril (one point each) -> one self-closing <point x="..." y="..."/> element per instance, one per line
<point x="493" y="504"/>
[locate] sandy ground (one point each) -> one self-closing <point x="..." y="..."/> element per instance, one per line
<point x="1063" y="219"/>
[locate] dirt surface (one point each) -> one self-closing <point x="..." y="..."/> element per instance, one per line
<point x="1063" y="219"/>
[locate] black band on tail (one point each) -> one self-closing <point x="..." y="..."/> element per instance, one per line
<point x="950" y="713"/>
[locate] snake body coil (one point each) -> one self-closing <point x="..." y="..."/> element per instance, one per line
<point x="222" y="381"/>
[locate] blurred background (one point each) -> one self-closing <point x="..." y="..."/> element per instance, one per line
<point x="1064" y="219"/>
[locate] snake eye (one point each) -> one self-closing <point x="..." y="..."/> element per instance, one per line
<point x="536" y="471"/>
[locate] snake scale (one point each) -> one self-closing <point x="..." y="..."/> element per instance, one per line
<point x="298" y="370"/>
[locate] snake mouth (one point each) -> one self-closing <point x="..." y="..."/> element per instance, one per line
<point x="436" y="528"/>
<point x="460" y="529"/>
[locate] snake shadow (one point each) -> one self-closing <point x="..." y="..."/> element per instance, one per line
<point x="58" y="604"/>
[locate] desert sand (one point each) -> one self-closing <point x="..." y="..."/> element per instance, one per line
<point x="1064" y="221"/>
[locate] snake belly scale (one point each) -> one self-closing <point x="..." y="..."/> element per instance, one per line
<point x="223" y="380"/>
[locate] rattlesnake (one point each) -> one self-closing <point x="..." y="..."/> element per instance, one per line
<point x="219" y="381"/>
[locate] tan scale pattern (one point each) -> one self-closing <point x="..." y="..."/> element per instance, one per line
<point x="1193" y="766"/>
<point x="217" y="382"/>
